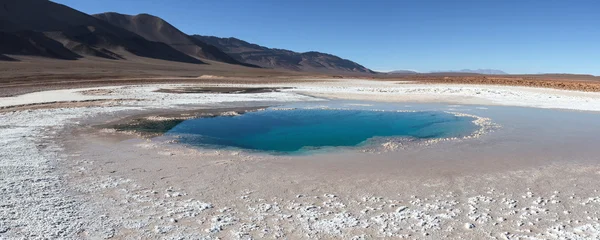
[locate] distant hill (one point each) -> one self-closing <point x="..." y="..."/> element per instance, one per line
<point x="156" y="29"/>
<point x="484" y="71"/>
<point x="476" y="71"/>
<point x="45" y="28"/>
<point x="452" y="72"/>
<point x="402" y="72"/>
<point x="283" y="59"/>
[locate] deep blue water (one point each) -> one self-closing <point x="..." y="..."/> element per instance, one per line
<point x="288" y="131"/>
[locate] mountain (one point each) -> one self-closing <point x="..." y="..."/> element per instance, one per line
<point x="283" y="59"/>
<point x="158" y="30"/>
<point x="484" y="71"/>
<point x="400" y="72"/>
<point x="45" y="28"/>
<point x="476" y="71"/>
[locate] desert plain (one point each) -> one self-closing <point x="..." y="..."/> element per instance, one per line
<point x="530" y="172"/>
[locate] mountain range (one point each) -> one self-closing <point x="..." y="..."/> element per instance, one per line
<point x="467" y="71"/>
<point x="43" y="28"/>
<point x="47" y="29"/>
<point x="477" y="71"/>
<point x="402" y="72"/>
<point x="280" y="58"/>
<point x="158" y="30"/>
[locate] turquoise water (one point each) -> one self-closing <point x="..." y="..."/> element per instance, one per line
<point x="288" y="131"/>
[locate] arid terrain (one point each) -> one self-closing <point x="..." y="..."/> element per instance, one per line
<point x="586" y="83"/>
<point x="34" y="74"/>
<point x="87" y="100"/>
<point x="66" y="175"/>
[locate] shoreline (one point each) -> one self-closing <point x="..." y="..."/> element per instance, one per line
<point x="332" y="195"/>
<point x="122" y="187"/>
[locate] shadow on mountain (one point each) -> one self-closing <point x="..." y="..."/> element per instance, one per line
<point x="38" y="27"/>
<point x="158" y="30"/>
<point x="283" y="59"/>
<point x="7" y="58"/>
<point x="34" y="44"/>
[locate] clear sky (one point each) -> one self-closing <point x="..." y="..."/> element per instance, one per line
<point x="517" y="36"/>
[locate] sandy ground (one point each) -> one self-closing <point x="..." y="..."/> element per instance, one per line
<point x="62" y="178"/>
<point x="557" y="81"/>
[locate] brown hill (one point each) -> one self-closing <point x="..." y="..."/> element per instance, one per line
<point x="283" y="59"/>
<point x="45" y="28"/>
<point x="156" y="29"/>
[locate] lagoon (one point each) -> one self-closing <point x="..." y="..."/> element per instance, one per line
<point x="300" y="130"/>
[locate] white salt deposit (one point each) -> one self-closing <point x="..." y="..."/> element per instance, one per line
<point x="36" y="200"/>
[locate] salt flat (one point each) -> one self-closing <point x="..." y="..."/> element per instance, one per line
<point x="344" y="89"/>
<point x="64" y="179"/>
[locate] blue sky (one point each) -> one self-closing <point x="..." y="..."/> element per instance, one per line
<point x="517" y="36"/>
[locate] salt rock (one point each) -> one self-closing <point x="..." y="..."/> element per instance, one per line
<point x="469" y="226"/>
<point x="401" y="209"/>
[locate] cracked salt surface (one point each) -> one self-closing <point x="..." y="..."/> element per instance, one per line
<point x="318" y="216"/>
<point x="35" y="201"/>
<point x="41" y="198"/>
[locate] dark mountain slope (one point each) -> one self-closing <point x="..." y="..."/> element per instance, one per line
<point x="78" y="32"/>
<point x="35" y="44"/>
<point x="7" y="58"/>
<point x="156" y="29"/>
<point x="283" y="59"/>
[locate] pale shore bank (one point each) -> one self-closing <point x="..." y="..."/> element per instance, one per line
<point x="62" y="178"/>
